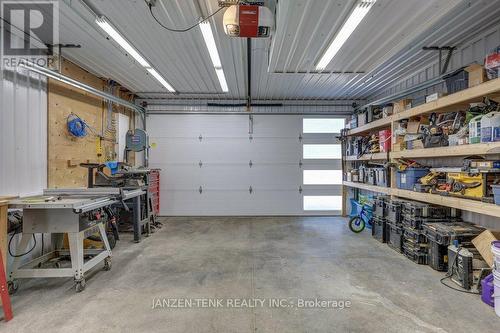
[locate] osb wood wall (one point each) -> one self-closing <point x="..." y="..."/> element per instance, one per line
<point x="66" y="152"/>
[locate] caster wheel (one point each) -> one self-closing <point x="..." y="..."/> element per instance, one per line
<point x="57" y="264"/>
<point x="107" y="264"/>
<point x="12" y="287"/>
<point x="80" y="285"/>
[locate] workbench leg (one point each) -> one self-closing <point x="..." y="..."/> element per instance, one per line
<point x="137" y="219"/>
<point x="104" y="238"/>
<point x="20" y="249"/>
<point x="76" y="252"/>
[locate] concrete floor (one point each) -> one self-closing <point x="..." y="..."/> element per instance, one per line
<point x="261" y="258"/>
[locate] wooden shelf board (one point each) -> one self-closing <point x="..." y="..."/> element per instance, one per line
<point x="462" y="150"/>
<point x="449" y="201"/>
<point x="454" y="101"/>
<point x="377" y="124"/>
<point x="366" y="187"/>
<point x="368" y="157"/>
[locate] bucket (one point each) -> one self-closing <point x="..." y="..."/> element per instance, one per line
<point x="490" y="127"/>
<point x="475" y="129"/>
<point x="496" y="293"/>
<point x="487" y="290"/>
<point x="384" y="139"/>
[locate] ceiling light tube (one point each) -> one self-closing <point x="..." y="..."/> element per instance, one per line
<point x="222" y="79"/>
<point x="208" y="36"/>
<point x="160" y="79"/>
<point x="105" y="25"/>
<point x="113" y="33"/>
<point x="357" y="15"/>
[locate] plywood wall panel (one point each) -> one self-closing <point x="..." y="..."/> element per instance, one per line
<point x="66" y="152"/>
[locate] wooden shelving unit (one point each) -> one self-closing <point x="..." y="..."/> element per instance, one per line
<point x="453" y="102"/>
<point x="369" y="157"/>
<point x="463" y="150"/>
<point x="377" y="124"/>
<point x="448" y="201"/>
<point x="371" y="188"/>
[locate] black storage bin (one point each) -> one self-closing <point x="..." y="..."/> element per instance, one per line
<point x="438" y="256"/>
<point x="394" y="208"/>
<point x="418" y="222"/>
<point x="456" y="81"/>
<point x="419" y="209"/>
<point x="418" y="236"/>
<point x="416" y="256"/>
<point x="378" y="229"/>
<point x="379" y="206"/>
<point x="446" y="233"/>
<point x="396" y="237"/>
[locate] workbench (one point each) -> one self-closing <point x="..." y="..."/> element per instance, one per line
<point x="76" y="212"/>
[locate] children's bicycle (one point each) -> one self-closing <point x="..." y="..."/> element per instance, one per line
<point x="361" y="217"/>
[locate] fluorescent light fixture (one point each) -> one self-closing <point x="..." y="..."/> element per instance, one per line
<point x="113" y="33"/>
<point x="222" y="79"/>
<point x="105" y="25"/>
<point x="357" y="15"/>
<point x="160" y="79"/>
<point x="208" y="36"/>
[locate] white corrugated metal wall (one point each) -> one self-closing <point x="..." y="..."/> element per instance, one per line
<point x="23" y="133"/>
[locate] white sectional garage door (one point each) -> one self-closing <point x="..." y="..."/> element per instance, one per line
<point x="211" y="165"/>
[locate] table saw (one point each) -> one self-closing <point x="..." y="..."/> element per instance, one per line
<point x="78" y="213"/>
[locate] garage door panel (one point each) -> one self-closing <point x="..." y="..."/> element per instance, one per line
<point x="277" y="126"/>
<point x="213" y="202"/>
<point x="179" y="177"/>
<point x="275" y="150"/>
<point x="194" y="125"/>
<point x="226" y="177"/>
<point x="279" y="177"/>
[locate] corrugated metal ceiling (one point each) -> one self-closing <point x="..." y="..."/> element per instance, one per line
<point x="385" y="46"/>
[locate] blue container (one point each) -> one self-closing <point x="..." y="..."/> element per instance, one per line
<point x="496" y="193"/>
<point x="406" y="179"/>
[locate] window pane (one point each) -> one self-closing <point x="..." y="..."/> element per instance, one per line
<point x="322" y="177"/>
<point x="323" y="202"/>
<point x="322" y="125"/>
<point x="322" y="152"/>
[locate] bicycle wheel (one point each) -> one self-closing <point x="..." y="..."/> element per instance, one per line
<point x="356" y="224"/>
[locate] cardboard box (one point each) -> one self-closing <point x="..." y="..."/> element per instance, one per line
<point x="413" y="127"/>
<point x="399" y="143"/>
<point x="477" y="74"/>
<point x="483" y="245"/>
<point x="401" y="105"/>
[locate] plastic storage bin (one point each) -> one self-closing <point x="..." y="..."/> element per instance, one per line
<point x="396" y="237"/>
<point x="379" y="229"/>
<point x="496" y="193"/>
<point x="456" y="81"/>
<point x="406" y="179"/>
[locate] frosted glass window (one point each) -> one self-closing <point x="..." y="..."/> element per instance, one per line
<point x="322" y="177"/>
<point x="326" y="151"/>
<point x="322" y="125"/>
<point x="323" y="202"/>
